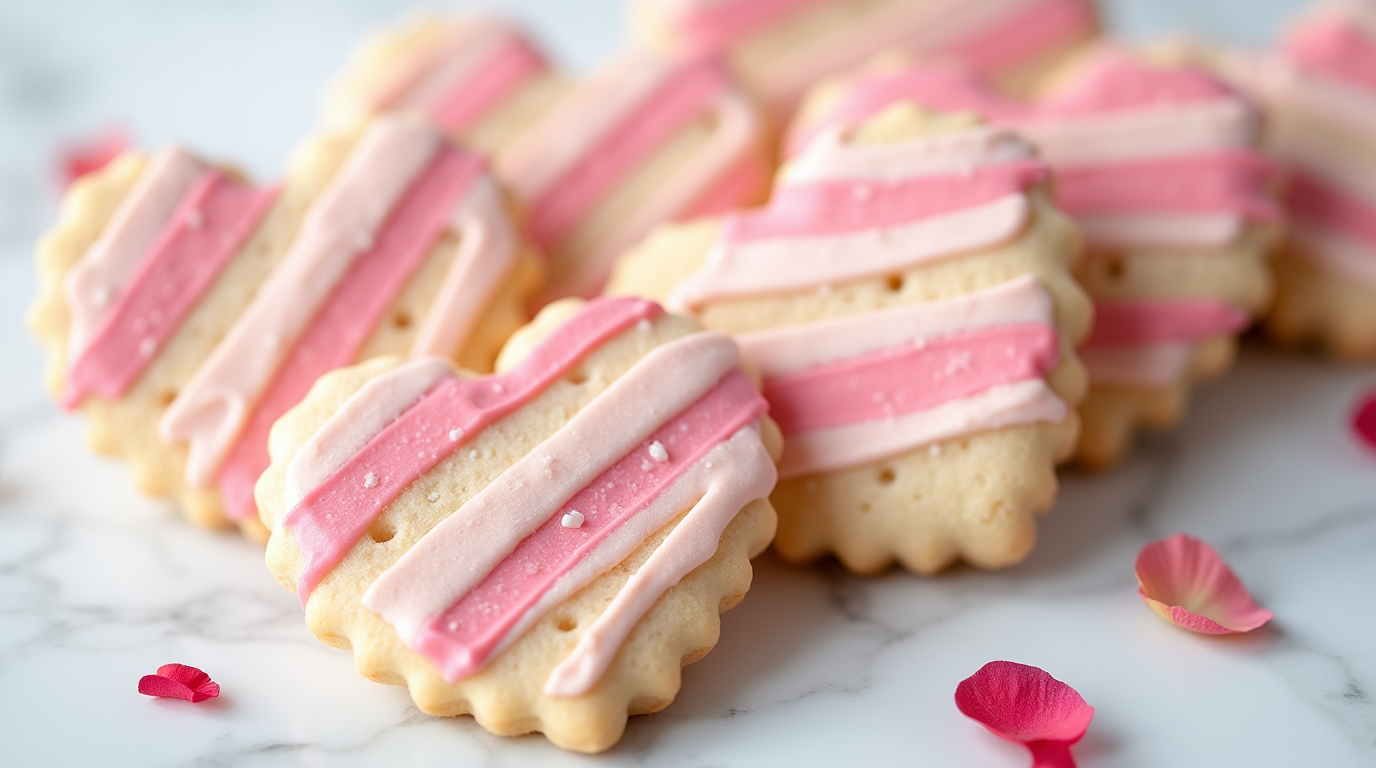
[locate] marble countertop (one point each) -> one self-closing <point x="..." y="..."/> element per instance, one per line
<point x="99" y="586"/>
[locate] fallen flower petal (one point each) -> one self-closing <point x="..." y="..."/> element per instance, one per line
<point x="178" y="681"/>
<point x="1025" y="705"/>
<point x="1184" y="581"/>
<point x="1364" y="419"/>
<point x="90" y="156"/>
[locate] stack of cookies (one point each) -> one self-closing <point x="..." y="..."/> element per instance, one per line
<point x="515" y="371"/>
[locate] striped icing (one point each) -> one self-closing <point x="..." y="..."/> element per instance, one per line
<point x="360" y="244"/>
<point x="678" y="431"/>
<point x="332" y="515"/>
<point x="884" y="222"/>
<point x="461" y="77"/>
<point x="580" y="154"/>
<point x="156" y="282"/>
<point x="1126" y="323"/>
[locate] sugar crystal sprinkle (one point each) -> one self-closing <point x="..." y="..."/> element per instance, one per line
<point x="455" y="434"/>
<point x="573" y="519"/>
<point x="658" y="452"/>
<point x="434" y="496"/>
<point x="370" y="480"/>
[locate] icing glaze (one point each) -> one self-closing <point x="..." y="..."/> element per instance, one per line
<point x="194" y="244"/>
<point x="882" y="221"/>
<point x="333" y="515"/>
<point x="96" y="279"/>
<point x="1122" y="323"/>
<point x="577" y="156"/>
<point x="429" y="578"/>
<point x="826" y="450"/>
<point x="460" y="78"/>
<point x="461" y="638"/>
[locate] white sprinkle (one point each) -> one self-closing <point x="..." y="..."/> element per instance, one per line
<point x="147" y="347"/>
<point x="935" y="450"/>
<point x="658" y="452"/>
<point x="473" y="454"/>
<point x="370" y="480"/>
<point x="453" y="625"/>
<point x="434" y="496"/>
<point x="707" y="465"/>
<point x="573" y="519"/>
<point x="455" y="435"/>
<point x="862" y="192"/>
<point x="194" y="219"/>
<point x="643" y="326"/>
<point x="497" y="387"/>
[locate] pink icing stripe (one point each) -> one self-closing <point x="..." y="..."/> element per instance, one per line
<point x="1225" y="182"/>
<point x="686" y="92"/>
<point x="710" y="28"/>
<point x="461" y="639"/>
<point x="840" y="207"/>
<point x="333" y="516"/>
<point x="740" y="183"/>
<point x="349" y="315"/>
<point x="1025" y="34"/>
<point x="910" y="378"/>
<point x="1149" y="322"/>
<point x="197" y="242"/>
<point x="1310" y="199"/>
<point x="465" y="103"/>
<point x="1336" y="48"/>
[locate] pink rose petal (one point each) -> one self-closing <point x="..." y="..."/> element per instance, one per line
<point x="1185" y="581"/>
<point x="178" y="681"/>
<point x="91" y="155"/>
<point x="1026" y="705"/>
<point x="1364" y="419"/>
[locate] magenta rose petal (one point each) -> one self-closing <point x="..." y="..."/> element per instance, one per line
<point x="1026" y="705"/>
<point x="179" y="681"/>
<point x="1184" y="581"/>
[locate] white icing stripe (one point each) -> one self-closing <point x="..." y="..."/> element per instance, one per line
<point x="366" y="413"/>
<point x="829" y="158"/>
<point x="488" y="250"/>
<point x="577" y="124"/>
<point x="1147" y="365"/>
<point x="429" y="577"/>
<point x="807" y="262"/>
<point x="1331" y="163"/>
<point x="1336" y="251"/>
<point x="215" y="404"/>
<point x="780" y="351"/>
<point x="1129" y="230"/>
<point x="94" y="282"/>
<point x="826" y="450"/>
<point x="1142" y="134"/>
<point x="736" y="459"/>
<point x="1310" y="95"/>
<point x="731" y="475"/>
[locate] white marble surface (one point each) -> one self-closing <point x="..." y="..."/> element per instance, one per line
<point x="99" y="586"/>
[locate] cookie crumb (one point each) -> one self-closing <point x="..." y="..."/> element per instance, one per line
<point x="573" y="519"/>
<point x="934" y="450"/>
<point x="434" y="496"/>
<point x="658" y="452"/>
<point x="370" y="480"/>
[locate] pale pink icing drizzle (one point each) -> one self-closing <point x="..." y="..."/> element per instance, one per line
<point x="1145" y="322"/>
<point x="98" y="277"/>
<point x="196" y="242"/>
<point x="430" y="576"/>
<point x="331" y="517"/>
<point x="778" y="351"/>
<point x="461" y="78"/>
<point x="579" y="153"/>
<point x="463" y="637"/>
<point x="713" y="26"/>
<point x="1025" y="402"/>
<point x="885" y="207"/>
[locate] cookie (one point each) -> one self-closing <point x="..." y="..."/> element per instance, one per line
<point x="1319" y="93"/>
<point x="644" y="141"/>
<point x="1158" y="165"/>
<point x="543" y="548"/>
<point x="906" y="296"/>
<point x="780" y="49"/>
<point x="480" y="78"/>
<point x="150" y="262"/>
<point x="410" y="249"/>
